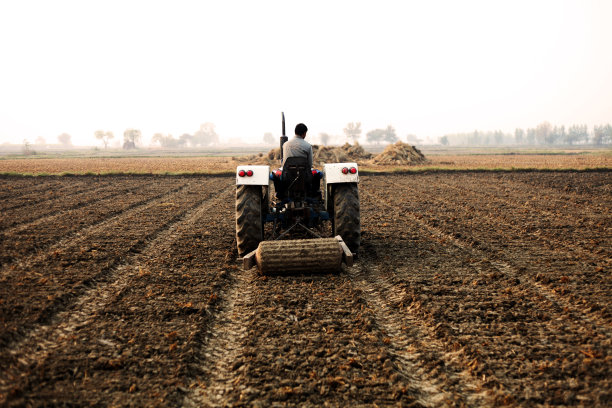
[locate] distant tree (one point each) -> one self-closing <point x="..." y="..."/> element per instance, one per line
<point x="105" y="137"/>
<point x="556" y="135"/>
<point x="531" y="136"/>
<point x="27" y="148"/>
<point x="375" y="136"/>
<point x="185" y="139"/>
<point x="157" y="138"/>
<point x="413" y="139"/>
<point x="324" y="138"/>
<point x="474" y="138"/>
<point x="268" y="138"/>
<point x="40" y="141"/>
<point x="353" y="131"/>
<point x="602" y="135"/>
<point x="65" y="139"/>
<point x="165" y="140"/>
<point x="577" y="134"/>
<point x="542" y="132"/>
<point x="443" y="140"/>
<point x="561" y="134"/>
<point x="205" y="136"/>
<point x="518" y="135"/>
<point x="130" y="138"/>
<point x="390" y="135"/>
<point x="498" y="135"/>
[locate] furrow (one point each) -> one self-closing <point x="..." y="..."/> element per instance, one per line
<point x="592" y="318"/>
<point x="544" y="239"/>
<point x="498" y="219"/>
<point x="95" y="257"/>
<point x="223" y="344"/>
<point x="407" y="338"/>
<point x="16" y="187"/>
<point x="468" y="242"/>
<point x="44" y="340"/>
<point x="11" y="222"/>
<point x="40" y="198"/>
<point x="49" y="238"/>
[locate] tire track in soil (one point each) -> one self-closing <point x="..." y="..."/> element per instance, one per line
<point x="38" y="198"/>
<point x="44" y="340"/>
<point x="42" y="313"/>
<point x="224" y="340"/>
<point x="298" y="340"/>
<point x="595" y="318"/>
<point x="42" y="251"/>
<point x="47" y="214"/>
<point x="409" y="337"/>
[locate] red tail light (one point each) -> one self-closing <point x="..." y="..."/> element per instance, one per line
<point x="241" y="173"/>
<point x="353" y="170"/>
<point x="249" y="173"/>
<point x="345" y="170"/>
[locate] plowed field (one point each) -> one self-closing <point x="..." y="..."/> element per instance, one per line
<point x="471" y="289"/>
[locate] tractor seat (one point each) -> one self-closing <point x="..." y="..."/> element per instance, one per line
<point x="296" y="177"/>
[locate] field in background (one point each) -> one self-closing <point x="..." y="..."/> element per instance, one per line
<point x="220" y="160"/>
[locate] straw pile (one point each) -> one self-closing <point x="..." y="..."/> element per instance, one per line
<point x="396" y="154"/>
<point x="400" y="154"/>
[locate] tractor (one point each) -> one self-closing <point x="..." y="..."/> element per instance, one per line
<point x="300" y="230"/>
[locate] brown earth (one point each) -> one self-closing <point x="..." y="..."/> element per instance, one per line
<point x="471" y="289"/>
<point x="207" y="165"/>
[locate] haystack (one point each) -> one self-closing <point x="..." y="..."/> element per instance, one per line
<point x="401" y="154"/>
<point x="320" y="155"/>
<point x="398" y="154"/>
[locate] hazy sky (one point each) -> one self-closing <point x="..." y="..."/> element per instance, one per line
<point x="425" y="67"/>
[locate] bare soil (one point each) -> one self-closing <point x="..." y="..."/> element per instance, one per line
<point x="471" y="289"/>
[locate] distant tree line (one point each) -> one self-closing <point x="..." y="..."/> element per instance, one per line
<point x="543" y="134"/>
<point x="205" y="136"/>
<point x="352" y="133"/>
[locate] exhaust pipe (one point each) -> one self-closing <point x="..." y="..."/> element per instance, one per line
<point x="283" y="138"/>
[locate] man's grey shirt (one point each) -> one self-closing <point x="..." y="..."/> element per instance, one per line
<point x="297" y="147"/>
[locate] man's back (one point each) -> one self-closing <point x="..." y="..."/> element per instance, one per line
<point x="297" y="147"/>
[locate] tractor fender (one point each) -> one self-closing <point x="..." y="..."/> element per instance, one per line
<point x="333" y="173"/>
<point x="259" y="175"/>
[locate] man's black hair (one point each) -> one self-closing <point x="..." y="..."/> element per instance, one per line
<point x="301" y="129"/>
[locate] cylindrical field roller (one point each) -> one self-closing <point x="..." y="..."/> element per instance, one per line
<point x="299" y="255"/>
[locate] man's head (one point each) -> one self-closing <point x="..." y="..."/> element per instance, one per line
<point x="300" y="130"/>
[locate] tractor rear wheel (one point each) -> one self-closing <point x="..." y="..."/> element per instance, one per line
<point x="346" y="221"/>
<point x="249" y="222"/>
